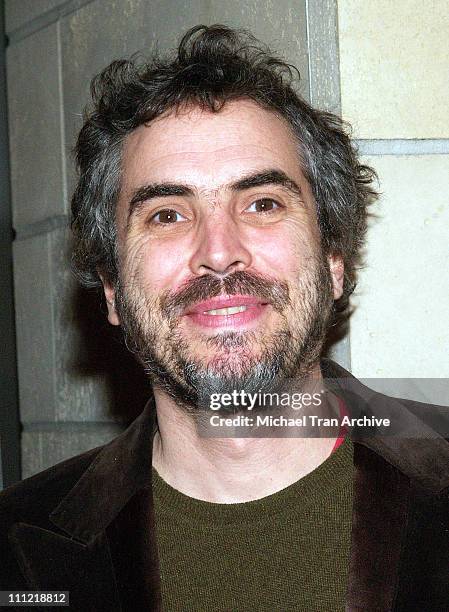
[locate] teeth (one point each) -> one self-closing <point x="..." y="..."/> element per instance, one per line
<point x="227" y="311"/>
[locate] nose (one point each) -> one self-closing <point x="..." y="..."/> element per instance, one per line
<point x="220" y="248"/>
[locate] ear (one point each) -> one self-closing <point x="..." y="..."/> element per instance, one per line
<point x="109" y="294"/>
<point x="337" y="270"/>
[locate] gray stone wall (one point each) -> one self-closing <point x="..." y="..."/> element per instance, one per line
<point x="75" y="380"/>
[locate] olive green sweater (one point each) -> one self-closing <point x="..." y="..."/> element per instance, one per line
<point x="286" y="552"/>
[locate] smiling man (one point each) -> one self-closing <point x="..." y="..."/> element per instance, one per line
<point x="227" y="219"/>
<point x="222" y="217"/>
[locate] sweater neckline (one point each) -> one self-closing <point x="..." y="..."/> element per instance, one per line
<point x="314" y="488"/>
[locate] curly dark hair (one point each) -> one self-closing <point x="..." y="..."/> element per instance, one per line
<point x="212" y="65"/>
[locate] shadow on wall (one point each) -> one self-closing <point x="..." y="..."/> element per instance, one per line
<point x="335" y="335"/>
<point x="102" y="353"/>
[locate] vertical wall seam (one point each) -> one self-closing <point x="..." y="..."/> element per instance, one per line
<point x="9" y="416"/>
<point x="62" y="120"/>
<point x="309" y="53"/>
<point x="66" y="204"/>
<point x="323" y="55"/>
<point x="50" y="245"/>
<point x="325" y="90"/>
<point x="337" y="51"/>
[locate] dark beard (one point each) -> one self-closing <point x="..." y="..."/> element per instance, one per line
<point x="287" y="355"/>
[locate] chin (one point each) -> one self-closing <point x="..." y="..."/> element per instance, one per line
<point x="231" y="365"/>
<point x="229" y="359"/>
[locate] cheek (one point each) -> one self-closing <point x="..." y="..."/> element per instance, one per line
<point x="284" y="250"/>
<point x="158" y="264"/>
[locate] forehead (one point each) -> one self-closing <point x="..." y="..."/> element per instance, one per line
<point x="209" y="150"/>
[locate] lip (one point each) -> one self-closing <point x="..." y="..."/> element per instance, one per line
<point x="225" y="301"/>
<point x="254" y="309"/>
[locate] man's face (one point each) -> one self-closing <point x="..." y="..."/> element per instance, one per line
<point x="222" y="279"/>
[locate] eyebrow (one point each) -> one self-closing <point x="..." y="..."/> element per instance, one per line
<point x="267" y="177"/>
<point x="160" y="190"/>
<point x="156" y="190"/>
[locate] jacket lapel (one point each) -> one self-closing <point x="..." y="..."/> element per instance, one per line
<point x="379" y="519"/>
<point x="103" y="549"/>
<point x="51" y="562"/>
<point x="134" y="550"/>
<point x="410" y="444"/>
<point x="390" y="473"/>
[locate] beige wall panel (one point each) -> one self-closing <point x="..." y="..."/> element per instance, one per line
<point x="394" y="62"/>
<point x="400" y="326"/>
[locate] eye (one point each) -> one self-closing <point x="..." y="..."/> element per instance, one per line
<point x="167" y="216"/>
<point x="263" y="205"/>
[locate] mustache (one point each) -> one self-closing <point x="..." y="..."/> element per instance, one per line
<point x="208" y="286"/>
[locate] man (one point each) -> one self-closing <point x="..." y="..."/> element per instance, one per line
<point x="223" y="217"/>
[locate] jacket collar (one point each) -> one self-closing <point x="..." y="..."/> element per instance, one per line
<point x="120" y="470"/>
<point x="108" y="560"/>
<point x="414" y="448"/>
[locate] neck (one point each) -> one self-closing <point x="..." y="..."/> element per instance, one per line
<point x="229" y="470"/>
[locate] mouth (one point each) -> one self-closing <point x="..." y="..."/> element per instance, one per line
<point x="227" y="311"/>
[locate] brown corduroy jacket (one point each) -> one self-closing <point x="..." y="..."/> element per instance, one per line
<point x="87" y="525"/>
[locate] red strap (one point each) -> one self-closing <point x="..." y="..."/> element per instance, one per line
<point x="342" y="433"/>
